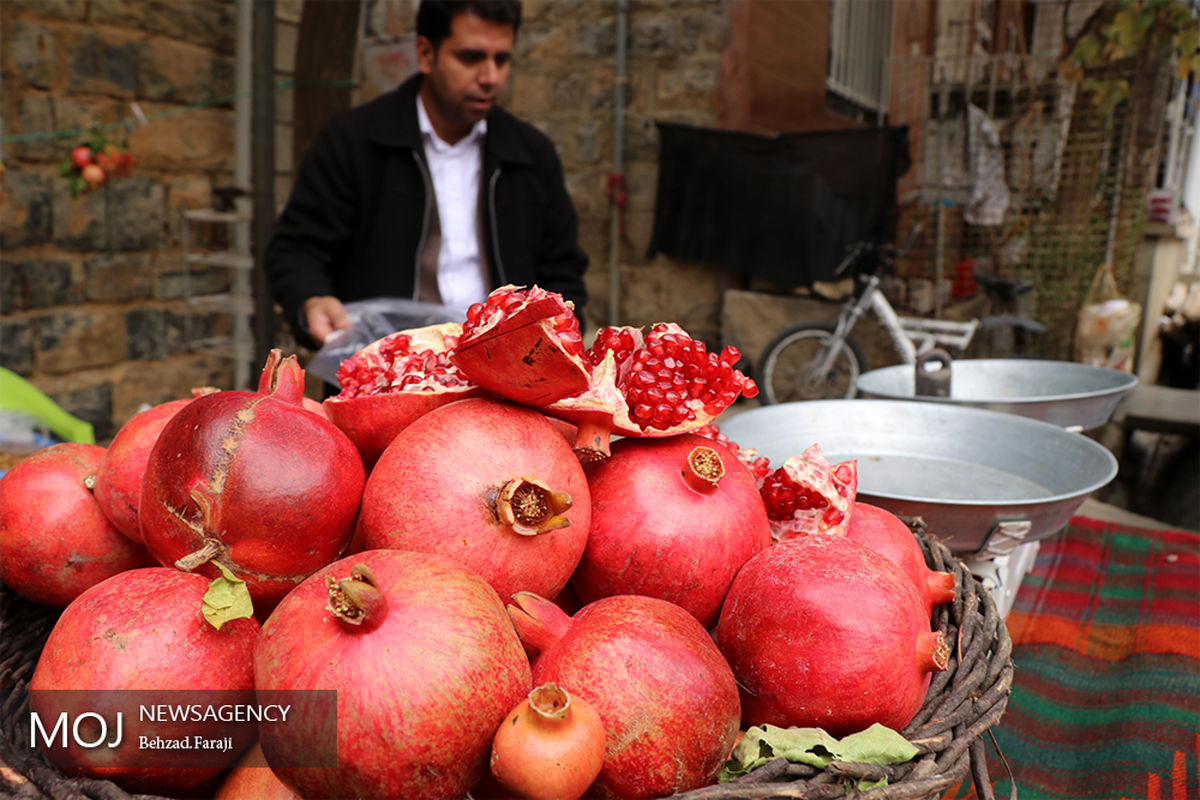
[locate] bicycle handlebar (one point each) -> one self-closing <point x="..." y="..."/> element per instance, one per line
<point x="887" y="252"/>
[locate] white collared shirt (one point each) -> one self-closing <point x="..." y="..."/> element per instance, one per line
<point x="456" y="170"/>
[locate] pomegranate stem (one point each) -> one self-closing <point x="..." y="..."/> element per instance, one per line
<point x="592" y="443"/>
<point x="210" y="550"/>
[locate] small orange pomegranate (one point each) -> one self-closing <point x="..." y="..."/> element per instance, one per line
<point x="550" y="747"/>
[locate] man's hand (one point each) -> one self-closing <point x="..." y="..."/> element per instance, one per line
<point x="324" y="315"/>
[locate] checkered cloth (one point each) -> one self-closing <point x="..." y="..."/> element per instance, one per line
<point x="1106" y="693"/>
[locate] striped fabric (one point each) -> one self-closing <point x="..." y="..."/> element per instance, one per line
<point x="1106" y="693"/>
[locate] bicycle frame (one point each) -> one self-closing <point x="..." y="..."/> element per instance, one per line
<point x="910" y="336"/>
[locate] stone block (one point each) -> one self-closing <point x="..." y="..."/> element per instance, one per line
<point x="91" y="401"/>
<point x="39" y="282"/>
<point x="68" y="341"/>
<point x="34" y="51"/>
<point x="146" y="334"/>
<point x="37" y="117"/>
<point x="56" y="9"/>
<point x="16" y="346"/>
<point x="704" y="29"/>
<point x="656" y="35"/>
<point x="537" y="45"/>
<point x="174" y="282"/>
<point x="595" y="39"/>
<point x="689" y="86"/>
<point x="154" y="382"/>
<point x="79" y="222"/>
<point x="136" y="213"/>
<point x="102" y="61"/>
<point x="199" y="141"/>
<point x="117" y="277"/>
<point x="641" y="139"/>
<point x="208" y="24"/>
<point x="28" y="216"/>
<point x="172" y="72"/>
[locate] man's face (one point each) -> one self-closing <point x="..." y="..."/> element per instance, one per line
<point x="466" y="74"/>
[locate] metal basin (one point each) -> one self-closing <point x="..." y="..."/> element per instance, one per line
<point x="984" y="481"/>
<point x="1064" y="393"/>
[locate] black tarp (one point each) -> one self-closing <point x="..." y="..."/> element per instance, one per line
<point x="783" y="208"/>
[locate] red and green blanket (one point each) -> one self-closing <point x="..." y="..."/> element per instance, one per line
<point x="1106" y="693"/>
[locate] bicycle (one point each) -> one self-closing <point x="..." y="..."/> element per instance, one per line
<point x="816" y="360"/>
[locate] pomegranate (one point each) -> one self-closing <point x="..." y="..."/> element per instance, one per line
<point x="885" y="533"/>
<point x="657" y="384"/>
<point x="672" y="518"/>
<point x="550" y="747"/>
<point x="255" y="482"/>
<point x="393" y="381"/>
<point x="251" y="777"/>
<point x="140" y="638"/>
<point x="118" y="487"/>
<point x="666" y="696"/>
<point x="823" y="632"/>
<point x="56" y="539"/>
<point x="492" y="485"/>
<point x="425" y="665"/>
<point x="809" y="495"/>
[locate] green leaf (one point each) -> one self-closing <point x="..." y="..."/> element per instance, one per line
<point x="227" y="599"/>
<point x="878" y="744"/>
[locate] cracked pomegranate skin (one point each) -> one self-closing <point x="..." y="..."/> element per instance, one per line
<point x="276" y="485"/>
<point x="436" y="488"/>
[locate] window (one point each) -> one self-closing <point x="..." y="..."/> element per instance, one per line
<point x="860" y="44"/>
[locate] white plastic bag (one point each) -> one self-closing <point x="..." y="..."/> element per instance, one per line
<point x="371" y="320"/>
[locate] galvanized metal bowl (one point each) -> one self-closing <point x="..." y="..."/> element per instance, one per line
<point x="982" y="480"/>
<point x="1064" y="393"/>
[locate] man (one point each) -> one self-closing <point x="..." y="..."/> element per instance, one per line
<point x="430" y="192"/>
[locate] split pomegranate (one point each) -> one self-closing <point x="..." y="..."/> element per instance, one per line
<point x="255" y="482"/>
<point x="823" y="632"/>
<point x="657" y="384"/>
<point x="886" y="534"/>
<point x="56" y="539"/>
<point x="524" y="345"/>
<point x="393" y="381"/>
<point x="550" y="747"/>
<point x="666" y="696"/>
<point x="492" y="485"/>
<point x="809" y="495"/>
<point x="672" y="518"/>
<point x="140" y="638"/>
<point x="425" y="665"/>
<point x="118" y="487"/>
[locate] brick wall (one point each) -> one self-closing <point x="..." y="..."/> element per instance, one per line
<point x="91" y="307"/>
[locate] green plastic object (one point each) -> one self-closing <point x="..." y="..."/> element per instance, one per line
<point x="18" y="394"/>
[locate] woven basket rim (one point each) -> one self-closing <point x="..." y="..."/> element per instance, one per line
<point x="963" y="702"/>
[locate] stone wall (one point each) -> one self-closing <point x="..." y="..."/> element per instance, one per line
<point x="91" y="288"/>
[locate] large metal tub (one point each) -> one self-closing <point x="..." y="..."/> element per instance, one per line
<point x="1064" y="393"/>
<point x="984" y="481"/>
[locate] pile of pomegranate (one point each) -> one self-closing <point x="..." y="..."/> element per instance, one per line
<point x="527" y="567"/>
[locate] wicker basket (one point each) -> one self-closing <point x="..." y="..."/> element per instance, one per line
<point x="963" y="702"/>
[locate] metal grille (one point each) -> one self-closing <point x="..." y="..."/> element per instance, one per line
<point x="1073" y="201"/>
<point x="859" y="36"/>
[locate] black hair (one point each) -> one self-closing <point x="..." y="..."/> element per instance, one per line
<point x="434" y="16"/>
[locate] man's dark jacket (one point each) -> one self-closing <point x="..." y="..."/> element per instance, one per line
<point x="354" y="222"/>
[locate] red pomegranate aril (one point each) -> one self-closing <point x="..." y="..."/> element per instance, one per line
<point x="393" y="381"/>
<point x="809" y="495"/>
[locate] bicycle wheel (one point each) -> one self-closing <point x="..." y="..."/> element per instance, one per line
<point x="788" y="368"/>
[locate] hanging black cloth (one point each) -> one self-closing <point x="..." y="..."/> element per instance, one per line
<point x="783" y="208"/>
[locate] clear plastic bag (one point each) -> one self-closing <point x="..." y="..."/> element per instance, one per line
<point x="371" y="320"/>
<point x="1106" y="324"/>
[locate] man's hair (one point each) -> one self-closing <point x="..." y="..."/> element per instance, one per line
<point x="434" y="16"/>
